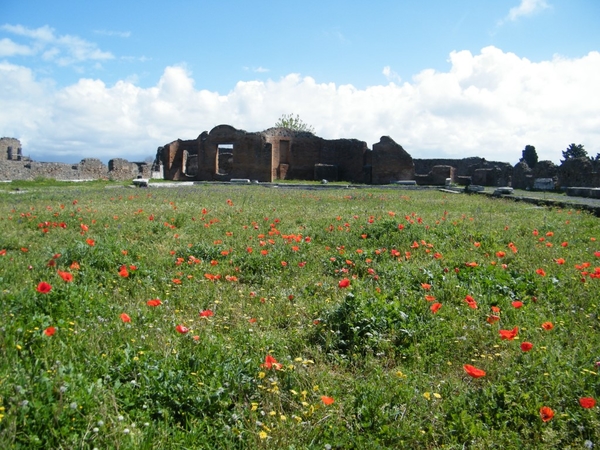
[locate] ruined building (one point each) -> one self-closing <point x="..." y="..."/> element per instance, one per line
<point x="225" y="153"/>
<point x="10" y="149"/>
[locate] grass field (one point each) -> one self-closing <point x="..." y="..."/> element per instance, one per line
<point x="246" y="317"/>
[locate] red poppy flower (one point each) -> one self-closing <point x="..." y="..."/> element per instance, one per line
<point x="473" y="371"/>
<point x="206" y="313"/>
<point x="509" y="335"/>
<point x="546" y="414"/>
<point x="471" y="264"/>
<point x="74" y="266"/>
<point x="327" y="400"/>
<point x="547" y="326"/>
<point x="500" y="254"/>
<point x="435" y="307"/>
<point x="155" y="302"/>
<point x="471" y="302"/>
<point x="526" y="346"/>
<point x="587" y="402"/>
<point x="43" y="287"/>
<point x="344" y="283"/>
<point x="181" y="329"/>
<point x="540" y="272"/>
<point x="125" y="318"/>
<point x="560" y="261"/>
<point x="90" y="242"/>
<point x="495" y="309"/>
<point x="270" y="363"/>
<point x="429" y="298"/>
<point x="517" y="304"/>
<point x="492" y="319"/>
<point x="65" y="276"/>
<point x="123" y="272"/>
<point x="177" y="280"/>
<point x="51" y="330"/>
<point x="426" y="286"/>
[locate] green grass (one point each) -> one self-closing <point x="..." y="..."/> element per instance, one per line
<point x="393" y="367"/>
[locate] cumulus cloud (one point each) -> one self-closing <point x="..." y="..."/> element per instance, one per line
<point x="489" y="104"/>
<point x="63" y="50"/>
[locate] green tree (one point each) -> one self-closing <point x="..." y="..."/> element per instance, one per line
<point x="530" y="156"/>
<point x="293" y="122"/>
<point x="575" y="151"/>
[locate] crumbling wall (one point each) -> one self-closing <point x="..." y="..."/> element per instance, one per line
<point x="86" y="169"/>
<point x="522" y="177"/>
<point x="578" y="172"/>
<point x="10" y="149"/>
<point x="121" y="169"/>
<point x="481" y="171"/>
<point x="437" y="176"/>
<point x="390" y="162"/>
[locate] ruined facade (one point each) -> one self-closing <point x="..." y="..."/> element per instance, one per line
<point x="86" y="169"/>
<point x="279" y="154"/>
<point x="226" y="153"/>
<point x="10" y="149"/>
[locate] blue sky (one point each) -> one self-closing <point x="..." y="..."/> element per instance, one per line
<point x="444" y="79"/>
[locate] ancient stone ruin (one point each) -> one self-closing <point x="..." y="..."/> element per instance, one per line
<point x="226" y="153"/>
<point x="15" y="166"/>
<point x="279" y="154"/>
<point x="10" y="149"/>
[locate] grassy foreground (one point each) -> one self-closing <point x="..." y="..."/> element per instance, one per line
<point x="245" y="317"/>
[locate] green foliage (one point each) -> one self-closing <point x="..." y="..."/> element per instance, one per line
<point x="574" y="151"/>
<point x="530" y="156"/>
<point x="293" y="122"/>
<point x="268" y="269"/>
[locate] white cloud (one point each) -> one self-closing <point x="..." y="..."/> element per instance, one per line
<point x="390" y="74"/>
<point x="63" y="50"/>
<point x="259" y="69"/>
<point x="10" y="48"/>
<point x="489" y="104"/>
<point x="527" y="8"/>
<point x="121" y="34"/>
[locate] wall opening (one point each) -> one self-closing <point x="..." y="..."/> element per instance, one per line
<point x="224" y="159"/>
<point x="284" y="152"/>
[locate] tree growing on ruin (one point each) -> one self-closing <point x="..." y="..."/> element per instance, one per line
<point x="530" y="156"/>
<point x="575" y="151"/>
<point x="294" y="122"/>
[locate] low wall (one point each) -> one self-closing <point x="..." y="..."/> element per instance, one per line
<point x="86" y="169"/>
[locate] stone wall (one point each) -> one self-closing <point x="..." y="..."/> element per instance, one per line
<point x="466" y="167"/>
<point x="437" y="176"/>
<point x="390" y="162"/>
<point x="277" y="153"/>
<point x="578" y="172"/>
<point x="10" y="149"/>
<point x="86" y="169"/>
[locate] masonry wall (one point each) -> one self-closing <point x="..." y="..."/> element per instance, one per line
<point x="10" y="149"/>
<point x="86" y="169"/>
